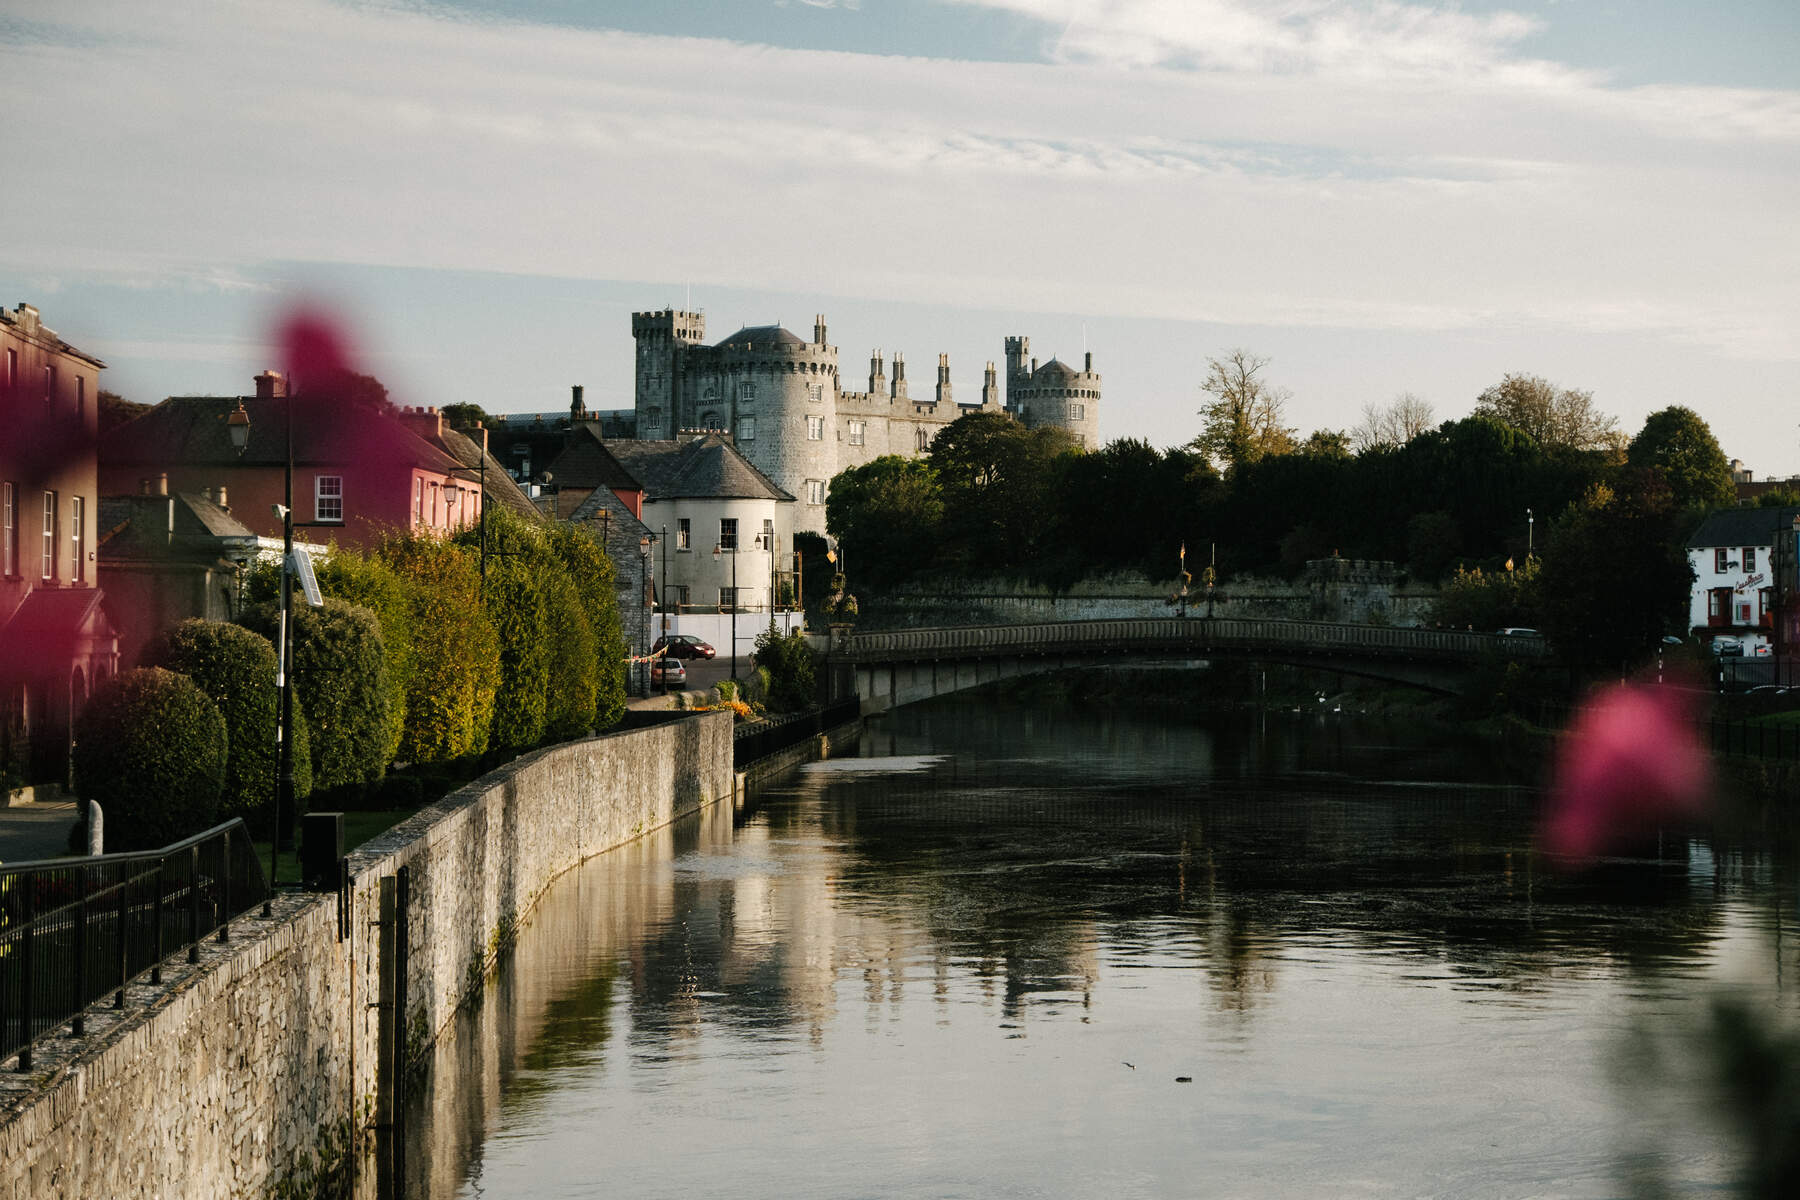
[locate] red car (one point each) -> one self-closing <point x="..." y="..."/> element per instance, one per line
<point x="684" y="645"/>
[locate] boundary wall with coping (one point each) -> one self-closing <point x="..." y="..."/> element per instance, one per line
<point x="234" y="1077"/>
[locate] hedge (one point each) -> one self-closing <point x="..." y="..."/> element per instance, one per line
<point x="340" y="684"/>
<point x="151" y="748"/>
<point x="456" y="657"/>
<point x="591" y="572"/>
<point x="235" y="667"/>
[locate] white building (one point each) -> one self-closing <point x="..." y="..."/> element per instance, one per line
<point x="1734" y="593"/>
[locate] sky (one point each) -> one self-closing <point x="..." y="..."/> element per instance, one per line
<point x="1377" y="196"/>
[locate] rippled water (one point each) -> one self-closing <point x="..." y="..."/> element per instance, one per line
<point x="1008" y="952"/>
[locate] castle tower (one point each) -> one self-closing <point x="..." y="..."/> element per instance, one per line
<point x="664" y="341"/>
<point x="990" y="389"/>
<point x="1016" y="350"/>
<point x="943" y="379"/>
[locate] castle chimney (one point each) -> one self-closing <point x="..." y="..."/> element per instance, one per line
<point x="877" y="375"/>
<point x="577" y="406"/>
<point x="943" y="379"/>
<point x="819" y="330"/>
<point x="990" y="389"/>
<point x="899" y="385"/>
<point x="1089" y="368"/>
<point x="270" y="386"/>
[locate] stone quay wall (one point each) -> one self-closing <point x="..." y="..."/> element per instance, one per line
<point x="239" y="1076"/>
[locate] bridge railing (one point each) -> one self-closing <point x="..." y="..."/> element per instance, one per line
<point x="1192" y="634"/>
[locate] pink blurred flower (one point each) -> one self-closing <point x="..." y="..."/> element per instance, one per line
<point x="314" y="347"/>
<point x="1631" y="762"/>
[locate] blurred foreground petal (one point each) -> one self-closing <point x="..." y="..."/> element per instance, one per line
<point x="1631" y="762"/>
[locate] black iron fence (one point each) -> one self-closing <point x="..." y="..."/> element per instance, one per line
<point x="1749" y="739"/>
<point x="759" y="741"/>
<point x="74" y="929"/>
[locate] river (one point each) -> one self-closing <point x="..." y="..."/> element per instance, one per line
<point x="1011" y="952"/>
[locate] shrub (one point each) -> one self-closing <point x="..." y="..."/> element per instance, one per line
<point x="519" y="609"/>
<point x="793" y="675"/>
<point x="456" y="657"/>
<point x="596" y="588"/>
<point x="371" y="582"/>
<point x="235" y="667"/>
<point x="340" y="684"/>
<point x="151" y="748"/>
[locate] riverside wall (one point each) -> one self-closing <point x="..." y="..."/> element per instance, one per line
<point x="245" y="1075"/>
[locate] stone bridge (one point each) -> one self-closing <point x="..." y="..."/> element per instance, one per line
<point x="903" y="665"/>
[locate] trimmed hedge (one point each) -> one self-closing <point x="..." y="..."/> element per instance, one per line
<point x="340" y="684"/>
<point x="235" y="667"/>
<point x="151" y="748"/>
<point x="591" y="572"/>
<point x="793" y="671"/>
<point x="375" y="585"/>
<point x="456" y="657"/>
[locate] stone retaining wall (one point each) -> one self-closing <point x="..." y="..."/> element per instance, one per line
<point x="235" y="1076"/>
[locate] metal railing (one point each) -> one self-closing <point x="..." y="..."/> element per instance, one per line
<point x="759" y="741"/>
<point x="74" y="929"/>
<point x="1194" y="634"/>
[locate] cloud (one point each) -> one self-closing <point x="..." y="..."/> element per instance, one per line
<point x="1377" y="166"/>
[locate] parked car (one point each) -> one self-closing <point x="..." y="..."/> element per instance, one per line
<point x="1519" y="631"/>
<point x="667" y="671"/>
<point x="684" y="645"/>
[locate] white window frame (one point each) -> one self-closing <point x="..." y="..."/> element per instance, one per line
<point x="1749" y="560"/>
<point x="728" y="599"/>
<point x="746" y="429"/>
<point x="728" y="534"/>
<point x="815" y="491"/>
<point x="77" y="539"/>
<point x="328" y="499"/>
<point x="48" y="565"/>
<point x="857" y="429"/>
<point x="815" y="429"/>
<point x="746" y="395"/>
<point x="684" y="534"/>
<point x="418" y="501"/>
<point x="1077" y="412"/>
<point x="9" y="529"/>
<point x="768" y="534"/>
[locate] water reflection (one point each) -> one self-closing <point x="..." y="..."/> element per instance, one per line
<point x="975" y="961"/>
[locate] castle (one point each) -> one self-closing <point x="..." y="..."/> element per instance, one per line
<point x="780" y="399"/>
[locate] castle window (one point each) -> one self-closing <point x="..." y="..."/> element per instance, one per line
<point x="815" y="491"/>
<point x="709" y="420"/>
<point x="815" y="429"/>
<point x="856" y="432"/>
<point x="921" y="439"/>
<point x="1077" y="411"/>
<point x="815" y="392"/>
<point x="747" y="395"/>
<point x="746" y="429"/>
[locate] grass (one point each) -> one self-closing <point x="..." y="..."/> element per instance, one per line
<point x="359" y="827"/>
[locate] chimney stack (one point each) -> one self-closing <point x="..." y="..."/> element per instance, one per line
<point x="270" y="386"/>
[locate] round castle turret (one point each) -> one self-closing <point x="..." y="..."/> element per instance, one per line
<point x="1053" y="394"/>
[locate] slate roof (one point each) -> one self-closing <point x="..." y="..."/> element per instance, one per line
<point x="754" y="336"/>
<point x="1742" y="527"/>
<point x="501" y="488"/>
<point x="585" y="462"/>
<point x="191" y="430"/>
<point x="138" y="526"/>
<point x="1054" y="369"/>
<point x="705" y="468"/>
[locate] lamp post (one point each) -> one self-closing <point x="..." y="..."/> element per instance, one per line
<point x="1530" y="534"/>
<point x="237" y="425"/>
<point x="643" y="573"/>
<point x="662" y="586"/>
<point x="718" y="549"/>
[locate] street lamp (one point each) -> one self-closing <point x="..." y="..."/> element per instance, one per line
<point x="237" y="425"/>
<point x="1530" y="533"/>
<point x="718" y="549"/>
<point x="643" y="573"/>
<point x="662" y="590"/>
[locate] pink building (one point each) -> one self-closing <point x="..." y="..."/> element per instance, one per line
<point x="55" y="640"/>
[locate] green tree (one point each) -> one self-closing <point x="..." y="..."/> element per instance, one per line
<point x="886" y="514"/>
<point x="995" y="478"/>
<point x="1325" y="443"/>
<point x="456" y="656"/>
<point x="465" y="415"/>
<point x="1242" y="423"/>
<point x="1432" y="541"/>
<point x="1553" y="417"/>
<point x="151" y="748"/>
<point x="793" y="671"/>
<point x="1392" y="425"/>
<point x="1488" y="600"/>
<point x="1615" y="576"/>
<point x="1678" y="443"/>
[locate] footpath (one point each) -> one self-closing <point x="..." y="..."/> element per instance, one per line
<point x="36" y="830"/>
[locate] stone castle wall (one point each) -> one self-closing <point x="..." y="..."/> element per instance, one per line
<point x="232" y="1076"/>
